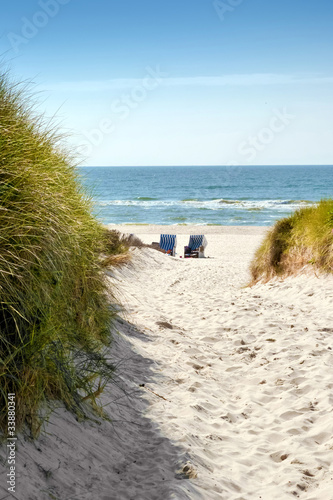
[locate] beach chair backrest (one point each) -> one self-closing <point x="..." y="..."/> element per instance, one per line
<point x="197" y="241"/>
<point x="168" y="242"/>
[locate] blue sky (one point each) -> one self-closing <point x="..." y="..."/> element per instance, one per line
<point x="186" y="82"/>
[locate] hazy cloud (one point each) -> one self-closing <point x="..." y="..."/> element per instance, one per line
<point x="193" y="81"/>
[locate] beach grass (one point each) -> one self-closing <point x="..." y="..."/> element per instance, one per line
<point x="55" y="311"/>
<point x="304" y="238"/>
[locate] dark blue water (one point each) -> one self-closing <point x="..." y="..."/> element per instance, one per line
<point x="204" y="195"/>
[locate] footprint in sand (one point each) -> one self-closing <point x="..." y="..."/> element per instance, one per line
<point x="279" y="456"/>
<point x="164" y="324"/>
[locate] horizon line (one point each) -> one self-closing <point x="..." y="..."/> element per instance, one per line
<point x="214" y="165"/>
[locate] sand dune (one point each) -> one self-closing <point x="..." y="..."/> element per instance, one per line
<point x="222" y="391"/>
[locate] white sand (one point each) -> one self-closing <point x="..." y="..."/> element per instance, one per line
<point x="237" y="386"/>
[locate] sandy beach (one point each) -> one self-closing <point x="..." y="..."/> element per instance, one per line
<point x="222" y="391"/>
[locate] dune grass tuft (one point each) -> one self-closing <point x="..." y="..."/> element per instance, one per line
<point x="304" y="238"/>
<point x="54" y="308"/>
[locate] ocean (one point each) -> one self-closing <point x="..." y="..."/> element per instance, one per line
<point x="247" y="195"/>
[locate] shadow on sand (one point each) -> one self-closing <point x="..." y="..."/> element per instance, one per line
<point x="125" y="458"/>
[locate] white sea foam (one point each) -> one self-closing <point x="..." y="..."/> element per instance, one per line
<point x="218" y="204"/>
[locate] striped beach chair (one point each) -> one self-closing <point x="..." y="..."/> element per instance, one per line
<point x="198" y="243"/>
<point x="168" y="243"/>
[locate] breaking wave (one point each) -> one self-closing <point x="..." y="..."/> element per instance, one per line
<point x="215" y="204"/>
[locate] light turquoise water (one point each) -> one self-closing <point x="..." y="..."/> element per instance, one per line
<point x="204" y="195"/>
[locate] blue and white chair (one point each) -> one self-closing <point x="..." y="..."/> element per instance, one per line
<point x="198" y="242"/>
<point x="168" y="243"/>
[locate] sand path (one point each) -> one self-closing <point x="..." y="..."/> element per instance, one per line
<point x="246" y="373"/>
